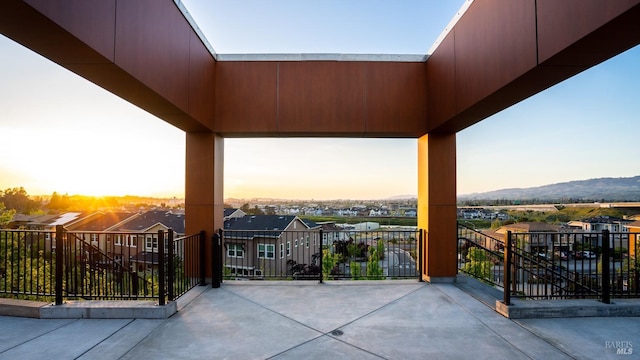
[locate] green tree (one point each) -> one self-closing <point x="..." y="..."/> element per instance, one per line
<point x="17" y="199"/>
<point x="374" y="270"/>
<point x="5" y="215"/>
<point x="354" y="267"/>
<point x="478" y="264"/>
<point x="329" y="262"/>
<point x="59" y="202"/>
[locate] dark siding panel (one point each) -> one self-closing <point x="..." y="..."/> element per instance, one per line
<point x="495" y="43"/>
<point x="152" y="44"/>
<point x="441" y="82"/>
<point x="92" y="22"/>
<point x="246" y="97"/>
<point x="556" y="33"/>
<point x="321" y="97"/>
<point x="202" y="70"/>
<point x="396" y="99"/>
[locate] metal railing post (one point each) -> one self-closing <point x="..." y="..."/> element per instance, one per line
<point x="321" y="250"/>
<point x="59" y="262"/>
<point x="507" y="270"/>
<point x="420" y="256"/>
<point x="161" y="277"/>
<point x="606" y="273"/>
<point x="170" y="265"/>
<point x="203" y="257"/>
<point x="134" y="284"/>
<point x="216" y="260"/>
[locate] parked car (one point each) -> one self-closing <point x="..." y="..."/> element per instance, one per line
<point x="588" y="255"/>
<point x="561" y="255"/>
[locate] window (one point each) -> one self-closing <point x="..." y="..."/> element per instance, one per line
<point x="235" y="251"/>
<point x="295" y="243"/>
<point x="131" y="241"/>
<point x="266" y="251"/>
<point x="118" y="240"/>
<point x="288" y="248"/>
<point x="151" y="243"/>
<point x="281" y="251"/>
<point x="307" y="241"/>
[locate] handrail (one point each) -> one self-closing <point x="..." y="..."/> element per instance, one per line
<point x="42" y="265"/>
<point x="546" y="265"/>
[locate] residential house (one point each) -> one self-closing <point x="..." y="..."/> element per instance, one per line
<point x="332" y="233"/>
<point x="542" y="238"/>
<point x="97" y="231"/>
<point x="233" y="213"/>
<point x="259" y="245"/>
<point x="633" y="228"/>
<point x="140" y="236"/>
<point x="597" y="224"/>
<point x="47" y="224"/>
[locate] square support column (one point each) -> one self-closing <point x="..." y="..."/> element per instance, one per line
<point x="204" y="193"/>
<point x="437" y="206"/>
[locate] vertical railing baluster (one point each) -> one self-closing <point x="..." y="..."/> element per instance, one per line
<point x="161" y="274"/>
<point x="605" y="260"/>
<point x="419" y="256"/>
<point x="507" y="270"/>
<point x="216" y="259"/>
<point x="202" y="258"/>
<point x="321" y="249"/>
<point x="59" y="262"/>
<point x="170" y="265"/>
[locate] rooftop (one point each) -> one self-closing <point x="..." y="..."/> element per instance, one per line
<point x="355" y="320"/>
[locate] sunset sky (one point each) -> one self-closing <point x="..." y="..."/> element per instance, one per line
<point x="61" y="133"/>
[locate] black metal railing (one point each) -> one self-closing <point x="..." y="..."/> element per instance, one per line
<point x="319" y="255"/>
<point x="480" y="255"/>
<point x="573" y="265"/>
<point x="553" y="265"/>
<point x="61" y="264"/>
<point x="27" y="264"/>
<point x="187" y="266"/>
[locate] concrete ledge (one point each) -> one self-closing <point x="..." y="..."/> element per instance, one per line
<point x="108" y="310"/>
<point x="539" y="309"/>
<point x="21" y="308"/>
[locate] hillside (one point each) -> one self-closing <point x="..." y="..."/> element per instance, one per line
<point x="602" y="189"/>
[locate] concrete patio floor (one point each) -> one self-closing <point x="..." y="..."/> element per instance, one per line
<point x="347" y="320"/>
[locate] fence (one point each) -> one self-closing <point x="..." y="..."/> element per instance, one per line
<point x="318" y="254"/>
<point x="48" y="265"/>
<point x="553" y="265"/>
<point x="480" y="255"/>
<point x="572" y="265"/>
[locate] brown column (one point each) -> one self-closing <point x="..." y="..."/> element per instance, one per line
<point x="437" y="205"/>
<point x="204" y="203"/>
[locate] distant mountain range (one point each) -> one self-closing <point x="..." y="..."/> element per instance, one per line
<point x="602" y="189"/>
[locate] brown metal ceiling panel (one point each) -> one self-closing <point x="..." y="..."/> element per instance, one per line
<point x="495" y="43"/>
<point x="152" y="44"/>
<point x="563" y="23"/>
<point x="441" y="75"/>
<point x="245" y="98"/>
<point x="92" y="22"/>
<point x="321" y="97"/>
<point x="202" y="69"/>
<point x="31" y="28"/>
<point x="396" y="99"/>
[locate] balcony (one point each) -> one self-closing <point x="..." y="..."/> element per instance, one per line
<point x="339" y="319"/>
